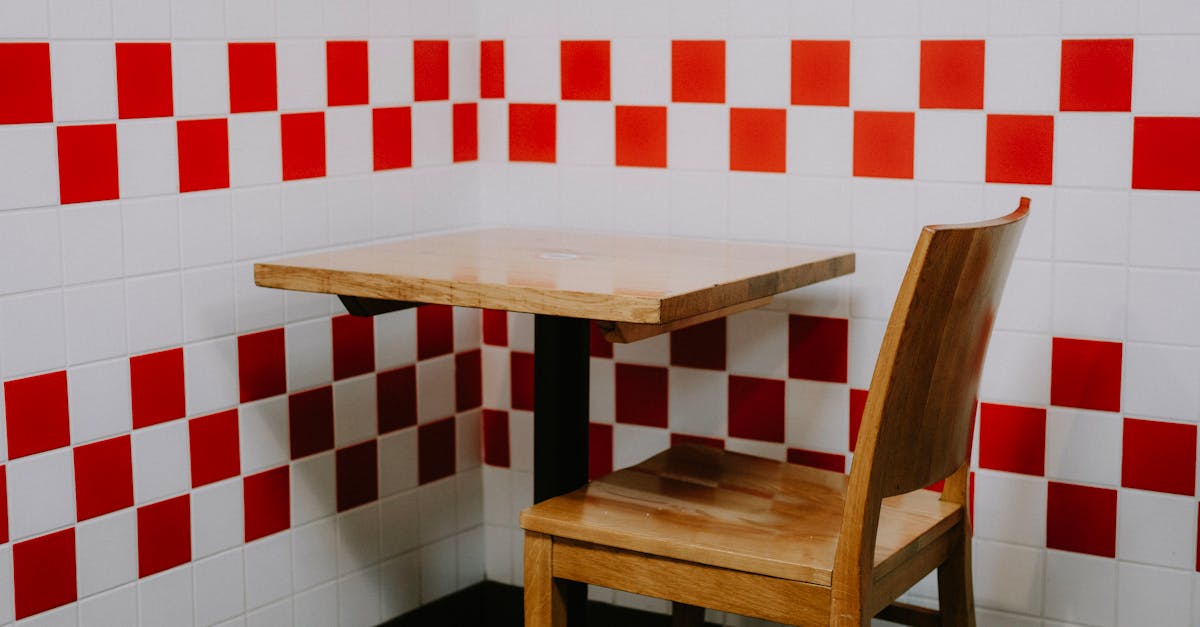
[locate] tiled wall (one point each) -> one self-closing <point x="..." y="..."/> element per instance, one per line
<point x="180" y="446"/>
<point x="850" y="124"/>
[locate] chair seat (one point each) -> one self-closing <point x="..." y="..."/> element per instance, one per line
<point x="729" y="510"/>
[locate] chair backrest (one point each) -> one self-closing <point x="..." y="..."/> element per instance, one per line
<point x="917" y="426"/>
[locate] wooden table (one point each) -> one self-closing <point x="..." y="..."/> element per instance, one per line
<point x="634" y="287"/>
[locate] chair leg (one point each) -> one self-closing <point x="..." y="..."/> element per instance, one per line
<point x="684" y="615"/>
<point x="955" y="592"/>
<point x="544" y="606"/>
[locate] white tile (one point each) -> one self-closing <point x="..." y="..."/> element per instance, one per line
<point x="106" y="551"/>
<point x="211" y="376"/>
<point x="875" y="282"/>
<point x="1161" y="381"/>
<point x="81" y="19"/>
<point x="200" y="71"/>
<point x="633" y="444"/>
<point x="1022" y="74"/>
<point x="263" y="434"/>
<point x="301" y="71"/>
<point x="166" y="598"/>
<point x="198" y="19"/>
<point x="147" y="155"/>
<point x="1037" y="240"/>
<point x="1024" y="17"/>
<point x="954" y="17"/>
<point x="313" y="488"/>
<point x="586" y="132"/>
<point x="439" y="575"/>
<point x="431" y="17"/>
<point x="99" y="400"/>
<point x="347" y="18"/>
<point x="358" y="599"/>
<point x="95" y="322"/>
<point x="257" y="307"/>
<point x="520" y="441"/>
<point x="268" y="570"/>
<point x="820" y="141"/>
<point x="702" y="19"/>
<point x="464" y="70"/>
<point x="886" y="17"/>
<point x="758" y="206"/>
<point x="309" y="354"/>
<point x="314" y="553"/>
<point x="217" y="518"/>
<point x="433" y="201"/>
<point x="950" y="145"/>
<point x="1028" y="298"/>
<point x="219" y="583"/>
<point x="6" y="584"/>
<point x="758" y="72"/>
<point x="699" y="204"/>
<point x="258" y="224"/>
<point x="91" y="240"/>
<point x="885" y="72"/>
<point x="883" y="214"/>
<point x="655" y="351"/>
<point x="756" y="345"/>
<point x="532" y="70"/>
<point x="1149" y="321"/>
<point x="28" y="178"/>
<point x="400" y="585"/>
<point x="1093" y="149"/>
<point x="399" y="524"/>
<point x="436" y="506"/>
<point x="154" y="310"/>
<point x="1169" y="16"/>
<point x="641" y="70"/>
<point x="830" y="299"/>
<point x="1081" y="588"/>
<point x="1098" y="17"/>
<point x="467" y="328"/>
<point x="758" y="18"/>
<point x="1158" y="529"/>
<point x="822" y="19"/>
<point x="391" y="201"/>
<point x="1008" y="577"/>
<point x="358" y="538"/>
<point x="697" y="137"/>
<point x="254" y="149"/>
<point x="696" y="398"/>
<point x="41" y="493"/>
<point x="141" y="19"/>
<point x="435" y="388"/>
<point x="432" y="129"/>
<point x="250" y="19"/>
<point x="1095" y="226"/>
<point x="206" y="226"/>
<point x="1089" y="301"/>
<point x="350" y="210"/>
<point x="391" y="67"/>
<point x="150" y="235"/>
<point x="1010" y="508"/>
<point x="817" y="415"/>
<point x="1152" y="596"/>
<point x="62" y="616"/>
<point x="31" y="331"/>
<point x="468" y="456"/>
<point x="395" y="339"/>
<point x="948" y="203"/>
<point x="820" y="213"/>
<point x="317" y="607"/>
<point x="272" y="615"/>
<point x="1157" y="65"/>
<point x="117" y="607"/>
<point x="1158" y="228"/>
<point x="161" y="465"/>
<point x="1017" y="368"/>
<point x="470" y="551"/>
<point x="299" y="18"/>
<point x="305" y="215"/>
<point x="531" y="17"/>
<point x="24" y="19"/>
<point x="208" y="309"/>
<point x="299" y="306"/>
<point x="1083" y="446"/>
<point x="348" y="140"/>
<point x="354" y="410"/>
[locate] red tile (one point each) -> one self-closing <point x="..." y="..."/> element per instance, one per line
<point x="521" y="385"/>
<point x="491" y="69"/>
<point x="817" y="459"/>
<point x="858" y="403"/>
<point x="267" y="499"/>
<point x="1164" y="153"/>
<point x="203" y="154"/>
<point x="817" y="348"/>
<point x="495" y="438"/>
<point x="1012" y="438"/>
<point x="156" y="386"/>
<point x="357" y="475"/>
<point x="302" y="136"/>
<point x="1081" y="519"/>
<point x="641" y="136"/>
<point x="756" y="408"/>
<point x="758" y="140"/>
<point x="600" y="450"/>
<point x="346" y="72"/>
<point x="144" y="88"/>
<point x="952" y="74"/>
<point x="586" y="70"/>
<point x="1085" y="374"/>
<point x="391" y="135"/>
<point x="396" y="396"/>
<point x="684" y="438"/>
<point x="252" y="77"/>
<point x="3" y="506"/>
<point x="700" y="346"/>
<point x="214" y="447"/>
<point x="599" y="347"/>
<point x="1096" y="75"/>
<point x="44" y="573"/>
<point x="495" y="327"/>
<point x="532" y="132"/>
<point x="466" y="132"/>
<point x="164" y="531"/>
<point x="435" y="331"/>
<point x="25" y="83"/>
<point x="353" y="346"/>
<point x="883" y="144"/>
<point x="431" y="70"/>
<point x="821" y="73"/>
<point x="1159" y="456"/>
<point x="698" y="71"/>
<point x="641" y="395"/>
<point x="103" y="477"/>
<point x="262" y="365"/>
<point x="37" y="414"/>
<point x="310" y="421"/>
<point x="436" y="450"/>
<point x="87" y="163"/>
<point x="1020" y="149"/>
<point x="468" y="380"/>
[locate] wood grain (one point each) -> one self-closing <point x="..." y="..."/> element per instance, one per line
<point x="626" y="332"/>
<point x="623" y="278"/>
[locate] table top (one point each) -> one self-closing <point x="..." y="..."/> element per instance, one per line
<point x="601" y="276"/>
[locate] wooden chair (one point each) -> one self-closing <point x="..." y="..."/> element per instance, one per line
<point x="710" y="528"/>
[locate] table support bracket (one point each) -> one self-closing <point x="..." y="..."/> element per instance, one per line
<point x="366" y="306"/>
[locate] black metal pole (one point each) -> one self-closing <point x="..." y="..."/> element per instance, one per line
<point x="560" y="421"/>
